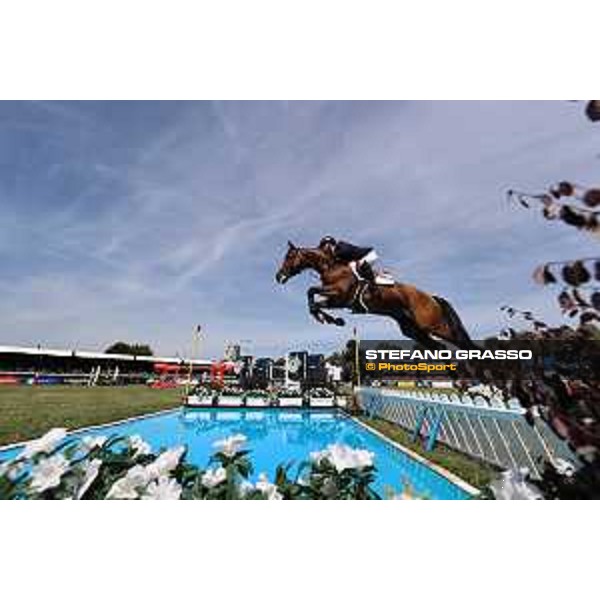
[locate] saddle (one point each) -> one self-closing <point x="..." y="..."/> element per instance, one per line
<point x="384" y="278"/>
<point x="381" y="277"/>
<point x="358" y="304"/>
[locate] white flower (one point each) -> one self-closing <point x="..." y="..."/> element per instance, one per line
<point x="47" y="473"/>
<point x="344" y="457"/>
<point x="268" y="488"/>
<point x="139" y="445"/>
<point x="46" y="443"/>
<point x="90" y="442"/>
<point x="513" y="486"/>
<point x="213" y="477"/>
<point x="165" y="462"/>
<point x="138" y="477"/>
<point x="563" y="467"/>
<point x="231" y="445"/>
<point x="246" y="488"/>
<point x="163" y="489"/>
<point x="127" y="487"/>
<point x="91" y="472"/>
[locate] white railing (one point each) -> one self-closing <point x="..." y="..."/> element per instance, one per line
<point x="494" y="431"/>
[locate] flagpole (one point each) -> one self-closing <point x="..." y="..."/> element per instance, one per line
<point x="195" y="344"/>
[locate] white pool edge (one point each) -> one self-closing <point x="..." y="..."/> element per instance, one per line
<point x="454" y="479"/>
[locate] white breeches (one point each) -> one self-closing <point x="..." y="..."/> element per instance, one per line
<point x="370" y="258"/>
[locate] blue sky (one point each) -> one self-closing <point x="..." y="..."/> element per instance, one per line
<point x="137" y="220"/>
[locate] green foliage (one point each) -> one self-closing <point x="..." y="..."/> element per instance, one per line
<point x="132" y="349"/>
<point x="345" y="359"/>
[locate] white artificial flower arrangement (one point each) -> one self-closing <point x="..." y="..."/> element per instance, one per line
<point x="203" y="391"/>
<point x="343" y="457"/>
<point x="232" y="391"/>
<point x="287" y="393"/>
<point x="258" y="393"/>
<point x="320" y="392"/>
<point x="56" y="467"/>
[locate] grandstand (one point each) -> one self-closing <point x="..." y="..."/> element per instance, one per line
<point x="19" y="364"/>
<point x="38" y="365"/>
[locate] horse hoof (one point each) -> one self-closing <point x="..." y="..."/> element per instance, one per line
<point x="340" y="322"/>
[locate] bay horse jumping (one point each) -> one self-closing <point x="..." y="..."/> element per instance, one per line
<point x="419" y="315"/>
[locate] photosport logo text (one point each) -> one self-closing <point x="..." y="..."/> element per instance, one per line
<point x="422" y="366"/>
<point x="500" y="359"/>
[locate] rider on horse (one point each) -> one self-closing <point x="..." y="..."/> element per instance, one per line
<point x="421" y="316"/>
<point x="359" y="258"/>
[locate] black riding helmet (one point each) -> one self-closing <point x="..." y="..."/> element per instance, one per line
<point x="327" y="240"/>
<point x="592" y="110"/>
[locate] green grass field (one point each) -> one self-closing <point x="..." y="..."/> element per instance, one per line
<point x="473" y="471"/>
<point x="29" y="411"/>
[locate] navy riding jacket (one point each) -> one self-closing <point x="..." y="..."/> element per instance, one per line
<point x="347" y="252"/>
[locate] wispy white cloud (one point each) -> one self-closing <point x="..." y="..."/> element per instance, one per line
<point x="142" y="219"/>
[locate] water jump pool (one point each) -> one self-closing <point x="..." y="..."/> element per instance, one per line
<point x="278" y="436"/>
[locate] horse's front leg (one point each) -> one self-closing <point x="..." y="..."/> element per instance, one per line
<point x="313" y="305"/>
<point x="316" y="307"/>
<point x="311" y="294"/>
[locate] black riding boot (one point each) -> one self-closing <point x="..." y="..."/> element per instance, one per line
<point x="366" y="271"/>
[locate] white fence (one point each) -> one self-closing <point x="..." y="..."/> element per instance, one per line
<point x="493" y="431"/>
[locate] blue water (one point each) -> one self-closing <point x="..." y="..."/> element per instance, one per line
<point x="278" y="436"/>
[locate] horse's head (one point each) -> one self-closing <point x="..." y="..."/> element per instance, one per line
<point x="293" y="263"/>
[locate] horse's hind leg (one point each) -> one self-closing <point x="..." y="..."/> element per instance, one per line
<point x="454" y="330"/>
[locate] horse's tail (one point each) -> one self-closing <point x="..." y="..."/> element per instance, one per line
<point x="461" y="336"/>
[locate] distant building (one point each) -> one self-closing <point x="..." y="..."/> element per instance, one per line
<point x="262" y="372"/>
<point x="233" y="352"/>
<point x="316" y="372"/>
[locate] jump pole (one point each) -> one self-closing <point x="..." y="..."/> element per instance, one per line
<point x="356" y="361"/>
